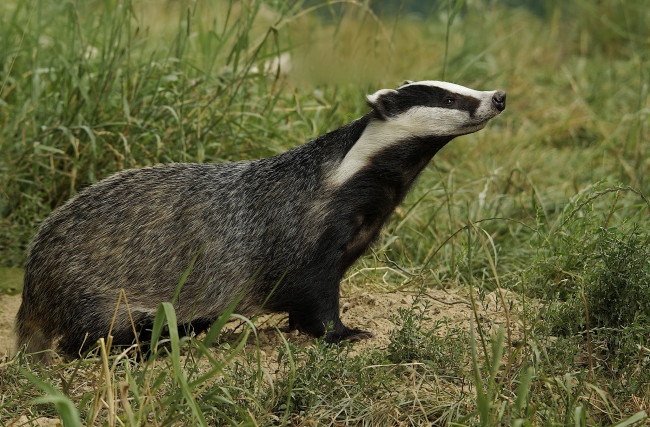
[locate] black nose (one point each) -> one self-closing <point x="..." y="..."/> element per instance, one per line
<point x="499" y="100"/>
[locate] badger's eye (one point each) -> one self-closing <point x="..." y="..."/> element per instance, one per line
<point x="448" y="102"/>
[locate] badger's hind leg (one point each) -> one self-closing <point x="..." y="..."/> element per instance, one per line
<point x="196" y="327"/>
<point x="32" y="338"/>
<point x="144" y="328"/>
<point x="143" y="321"/>
<point x="73" y="346"/>
<point x="79" y="338"/>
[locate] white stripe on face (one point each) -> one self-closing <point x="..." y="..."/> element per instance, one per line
<point x="451" y="87"/>
<point x="382" y="134"/>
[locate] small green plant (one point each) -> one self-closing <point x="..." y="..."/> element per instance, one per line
<point x="487" y="388"/>
<point x="595" y="282"/>
<point x="440" y="346"/>
<point x="327" y="376"/>
<point x="617" y="296"/>
<point x="618" y="292"/>
<point x="611" y="292"/>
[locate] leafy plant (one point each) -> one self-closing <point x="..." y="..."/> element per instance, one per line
<point x="440" y="346"/>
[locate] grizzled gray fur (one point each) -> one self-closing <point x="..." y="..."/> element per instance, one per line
<point x="292" y="224"/>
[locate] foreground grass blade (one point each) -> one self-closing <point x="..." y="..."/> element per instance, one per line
<point x="63" y="405"/>
<point x="166" y="312"/>
<point x="636" y="418"/>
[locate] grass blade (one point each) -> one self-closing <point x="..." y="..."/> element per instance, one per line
<point x="63" y="405"/>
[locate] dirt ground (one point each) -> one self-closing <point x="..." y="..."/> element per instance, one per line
<point x="8" y="309"/>
<point x="371" y="311"/>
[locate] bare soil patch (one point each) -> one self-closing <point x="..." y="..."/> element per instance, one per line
<point x="8" y="309"/>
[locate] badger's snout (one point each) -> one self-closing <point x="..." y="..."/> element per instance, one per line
<point x="499" y="100"/>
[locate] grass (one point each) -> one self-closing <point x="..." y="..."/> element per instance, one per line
<point x="550" y="202"/>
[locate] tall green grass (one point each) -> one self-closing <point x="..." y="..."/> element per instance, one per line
<point x="90" y="88"/>
<point x="550" y="201"/>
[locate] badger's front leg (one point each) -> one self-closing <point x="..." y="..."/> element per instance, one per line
<point x="315" y="307"/>
<point x="316" y="312"/>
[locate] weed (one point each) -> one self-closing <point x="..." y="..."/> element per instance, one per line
<point x="618" y="291"/>
<point x="440" y="346"/>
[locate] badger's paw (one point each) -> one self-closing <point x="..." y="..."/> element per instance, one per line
<point x="352" y="335"/>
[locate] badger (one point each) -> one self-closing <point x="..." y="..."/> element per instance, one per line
<point x="277" y="233"/>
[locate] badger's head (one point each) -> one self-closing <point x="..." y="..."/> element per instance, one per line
<point x="436" y="109"/>
<point x="425" y="115"/>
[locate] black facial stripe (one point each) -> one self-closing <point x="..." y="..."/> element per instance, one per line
<point x="426" y="96"/>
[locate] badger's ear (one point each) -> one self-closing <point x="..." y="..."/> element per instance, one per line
<point x="406" y="82"/>
<point x="378" y="101"/>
